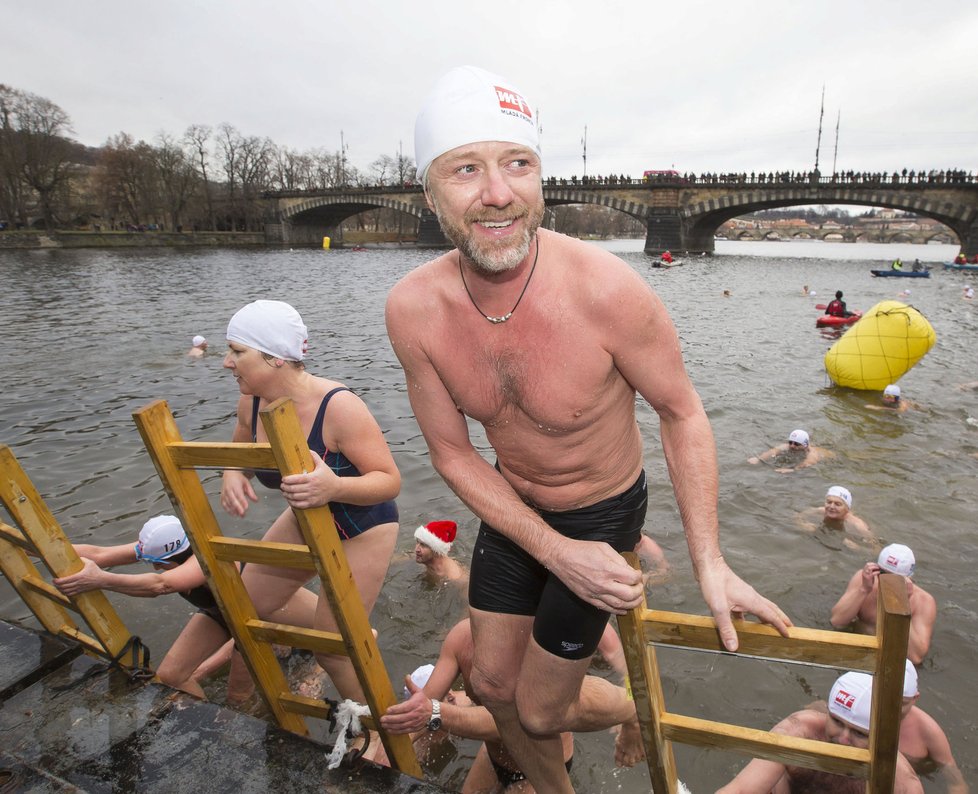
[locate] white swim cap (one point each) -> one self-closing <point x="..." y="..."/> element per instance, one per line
<point x="910" y="688"/>
<point x="273" y="327"/>
<point x="469" y="105"/>
<point x="198" y="341"/>
<point x="841" y="493"/>
<point x="160" y="539"/>
<point x="897" y="558"/>
<point x="851" y="699"/>
<point x="420" y="678"/>
<point x="799" y="437"/>
<point x="892" y="390"/>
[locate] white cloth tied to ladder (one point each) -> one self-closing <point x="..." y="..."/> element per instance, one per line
<point x="348" y="715"/>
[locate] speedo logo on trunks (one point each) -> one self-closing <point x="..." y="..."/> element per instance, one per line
<point x="569" y="647"/>
<point x="513" y="104"/>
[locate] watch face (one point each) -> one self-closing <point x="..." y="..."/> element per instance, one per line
<point x="434" y="724"/>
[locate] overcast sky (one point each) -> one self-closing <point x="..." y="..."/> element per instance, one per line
<point x="699" y="86"/>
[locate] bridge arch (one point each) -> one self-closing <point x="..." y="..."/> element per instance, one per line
<point x="561" y="197"/>
<point x="705" y="217"/>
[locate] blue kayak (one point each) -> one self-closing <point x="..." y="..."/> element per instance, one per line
<point x="902" y="273"/>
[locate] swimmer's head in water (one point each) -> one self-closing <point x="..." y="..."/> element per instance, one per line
<point x="840" y="493"/>
<point x="897" y="558"/>
<point x="851" y="699"/>
<point x="273" y="327"/>
<point x="470" y="105"/>
<point x="798" y="438"/>
<point x="438" y="535"/>
<point x="892" y="392"/>
<point x="199" y="341"/>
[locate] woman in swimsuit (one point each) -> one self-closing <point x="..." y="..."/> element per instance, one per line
<point x="354" y="472"/>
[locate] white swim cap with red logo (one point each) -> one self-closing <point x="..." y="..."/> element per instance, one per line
<point x="470" y="105"/>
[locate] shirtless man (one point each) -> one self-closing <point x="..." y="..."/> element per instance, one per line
<point x="435" y="707"/>
<point x="545" y="341"/>
<point x="837" y="514"/>
<point x="845" y="721"/>
<point x="433" y="542"/>
<point x="796" y="453"/>
<point x="857" y="606"/>
<point x="923" y="741"/>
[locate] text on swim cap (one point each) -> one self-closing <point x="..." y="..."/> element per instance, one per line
<point x="845" y="700"/>
<point x="512" y="103"/>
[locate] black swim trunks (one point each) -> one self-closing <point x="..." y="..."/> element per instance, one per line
<point x="509" y="777"/>
<point x="505" y="579"/>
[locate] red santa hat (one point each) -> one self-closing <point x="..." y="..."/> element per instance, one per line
<point x="438" y="535"/>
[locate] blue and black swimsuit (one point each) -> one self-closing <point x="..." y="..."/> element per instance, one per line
<point x="351" y="520"/>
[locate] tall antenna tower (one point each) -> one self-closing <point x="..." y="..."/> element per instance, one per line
<point x="584" y="143"/>
<point x="835" y="154"/>
<point x="821" y="113"/>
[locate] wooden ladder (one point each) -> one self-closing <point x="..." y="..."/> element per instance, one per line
<point x="884" y="655"/>
<point x="220" y="557"/>
<point x="37" y="533"/>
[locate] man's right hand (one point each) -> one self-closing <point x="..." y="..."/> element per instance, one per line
<point x="410" y="716"/>
<point x="597" y="574"/>
<point x="236" y="492"/>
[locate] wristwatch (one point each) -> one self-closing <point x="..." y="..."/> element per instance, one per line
<point x="435" y="722"/>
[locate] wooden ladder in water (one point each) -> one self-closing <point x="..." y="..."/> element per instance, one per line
<point x="884" y="655"/>
<point x="220" y="557"/>
<point x="38" y="534"/>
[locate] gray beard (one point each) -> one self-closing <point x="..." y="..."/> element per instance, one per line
<point x="490" y="262"/>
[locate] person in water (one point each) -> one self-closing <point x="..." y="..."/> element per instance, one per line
<point x="796" y="453"/>
<point x="857" y="605"/>
<point x="837" y="514"/>
<point x="843" y="720"/>
<point x="433" y="706"/>
<point x="198" y="347"/>
<point x="432" y="544"/>
<point x="837" y="307"/>
<point x="477" y="335"/>
<point x="352" y="470"/>
<point x="923" y="741"/>
<point x="204" y="645"/>
<point x="892" y="400"/>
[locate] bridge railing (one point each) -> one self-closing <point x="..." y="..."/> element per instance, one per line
<point x="876" y="179"/>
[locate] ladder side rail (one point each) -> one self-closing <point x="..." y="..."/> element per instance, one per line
<point x="160" y="433"/>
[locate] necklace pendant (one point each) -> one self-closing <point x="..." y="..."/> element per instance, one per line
<point x="498" y="320"/>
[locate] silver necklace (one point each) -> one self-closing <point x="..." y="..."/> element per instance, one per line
<point x="505" y="317"/>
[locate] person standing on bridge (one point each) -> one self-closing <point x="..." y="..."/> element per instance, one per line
<point x="478" y="336"/>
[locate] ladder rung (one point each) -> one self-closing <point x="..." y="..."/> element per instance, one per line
<point x="826" y="756"/>
<point x="298" y="637"/>
<point x="15" y="536"/>
<point x="258" y="552"/>
<point x="194" y="454"/>
<point x="49" y="591"/>
<point x="310" y="707"/>
<point x="838" y="649"/>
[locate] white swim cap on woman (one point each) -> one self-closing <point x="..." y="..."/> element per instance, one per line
<point x="273" y="327"/>
<point x="892" y="390"/>
<point x="198" y="341"/>
<point x="469" y="105"/>
<point x="160" y="538"/>
<point x="851" y="699"/>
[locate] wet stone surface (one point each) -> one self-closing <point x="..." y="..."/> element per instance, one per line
<point x="83" y="727"/>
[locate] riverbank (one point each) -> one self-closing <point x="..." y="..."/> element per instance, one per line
<point x="18" y="240"/>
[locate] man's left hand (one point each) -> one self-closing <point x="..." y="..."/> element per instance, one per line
<point x="726" y="593"/>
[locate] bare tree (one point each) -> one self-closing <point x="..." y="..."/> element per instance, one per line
<point x="37" y="154"/>
<point x="177" y="177"/>
<point x="197" y="138"/>
<point x="128" y="180"/>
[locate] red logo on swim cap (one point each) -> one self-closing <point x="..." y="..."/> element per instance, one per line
<point x="845" y="700"/>
<point x="510" y="100"/>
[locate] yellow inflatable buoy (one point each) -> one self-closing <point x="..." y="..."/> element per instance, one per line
<point x="880" y="348"/>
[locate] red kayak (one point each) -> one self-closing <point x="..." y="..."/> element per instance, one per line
<point x="831" y="321"/>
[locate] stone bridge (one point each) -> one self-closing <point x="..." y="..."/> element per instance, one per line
<point x="680" y="213"/>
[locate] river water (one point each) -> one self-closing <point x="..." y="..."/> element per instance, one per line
<point x="89" y="336"/>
